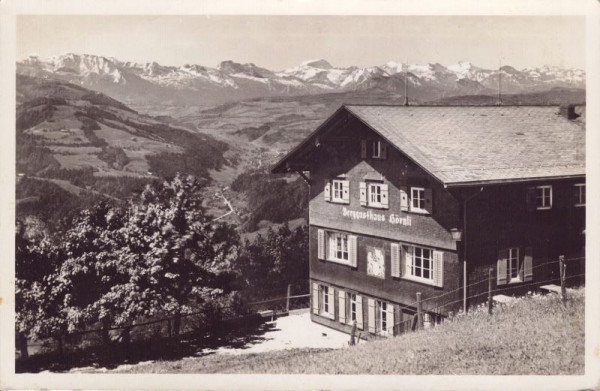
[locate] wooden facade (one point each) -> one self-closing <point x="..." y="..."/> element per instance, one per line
<point x="381" y="230"/>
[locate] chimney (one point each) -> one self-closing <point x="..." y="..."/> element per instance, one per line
<point x="568" y="112"/>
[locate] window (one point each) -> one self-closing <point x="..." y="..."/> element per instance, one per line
<point x="325" y="302"/>
<point x="337" y="190"/>
<point x="514" y="265"/>
<point x="376" y="149"/>
<point x="324" y="294"/>
<point x="417" y="196"/>
<point x="381" y="317"/>
<point x="374" y="194"/>
<point x="382" y="308"/>
<point x="352" y="308"/>
<point x="422" y="266"/>
<point x="322" y="300"/>
<point x="579" y="193"/>
<point x="417" y="263"/>
<point x="338" y="247"/>
<point x="543" y="197"/>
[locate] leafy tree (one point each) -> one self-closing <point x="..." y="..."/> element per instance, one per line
<point x="186" y="256"/>
<point x="96" y="275"/>
<point x="37" y="301"/>
<point x="271" y="262"/>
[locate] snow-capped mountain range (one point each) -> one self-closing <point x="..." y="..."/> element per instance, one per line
<point x="141" y="83"/>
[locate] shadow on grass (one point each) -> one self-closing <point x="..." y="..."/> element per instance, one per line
<point x="196" y="344"/>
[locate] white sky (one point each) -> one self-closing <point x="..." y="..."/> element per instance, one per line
<point x="279" y="42"/>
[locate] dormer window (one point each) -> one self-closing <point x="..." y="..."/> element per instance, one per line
<point x="374" y="149"/>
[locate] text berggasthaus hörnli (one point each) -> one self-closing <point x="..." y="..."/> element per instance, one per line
<point x="381" y="217"/>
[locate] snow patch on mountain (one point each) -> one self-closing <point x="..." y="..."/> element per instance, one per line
<point x="232" y="80"/>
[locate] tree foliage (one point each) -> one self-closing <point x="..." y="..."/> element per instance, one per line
<point x="158" y="255"/>
<point x="270" y="262"/>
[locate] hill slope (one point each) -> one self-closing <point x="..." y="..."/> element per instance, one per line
<point x="533" y="336"/>
<point x="85" y="140"/>
<point x="64" y="126"/>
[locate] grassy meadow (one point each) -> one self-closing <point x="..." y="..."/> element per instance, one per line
<point x="536" y="335"/>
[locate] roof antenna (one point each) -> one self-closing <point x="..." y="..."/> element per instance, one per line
<point x="499" y="101"/>
<point x="406" y="83"/>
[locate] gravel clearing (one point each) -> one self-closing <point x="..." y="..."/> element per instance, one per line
<point x="293" y="331"/>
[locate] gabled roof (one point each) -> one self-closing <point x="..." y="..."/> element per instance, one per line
<point x="461" y="145"/>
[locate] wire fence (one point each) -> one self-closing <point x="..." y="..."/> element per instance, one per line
<point x="162" y="329"/>
<point x="433" y="312"/>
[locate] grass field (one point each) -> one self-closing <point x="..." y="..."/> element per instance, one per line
<point x="534" y="335"/>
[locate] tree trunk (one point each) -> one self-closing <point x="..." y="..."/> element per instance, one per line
<point x="59" y="343"/>
<point x="126" y="336"/>
<point x="105" y="332"/>
<point x="22" y="342"/>
<point x="176" y="324"/>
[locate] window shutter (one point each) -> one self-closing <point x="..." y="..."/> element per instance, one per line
<point x="352" y="249"/>
<point x="528" y="264"/>
<point x="384" y="196"/>
<point x="363" y="149"/>
<point x="359" y="312"/>
<point x="406" y="259"/>
<point x="341" y="306"/>
<point x="428" y="201"/>
<point x="501" y="275"/>
<point x="390" y="320"/>
<point x="395" y="259"/>
<point x="530" y="198"/>
<point x="315" y="298"/>
<point x="371" y="315"/>
<point x="438" y="268"/>
<point x="384" y="150"/>
<point x="327" y="191"/>
<point x="321" y="244"/>
<point x="363" y="193"/>
<point x="331" y="301"/>
<point x="346" y="191"/>
<point x="404" y="199"/>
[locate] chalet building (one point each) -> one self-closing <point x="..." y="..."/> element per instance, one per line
<point x="407" y="199"/>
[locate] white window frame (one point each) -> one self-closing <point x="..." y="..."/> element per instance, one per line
<point x="420" y="198"/>
<point x="513" y="262"/>
<point x="580" y="194"/>
<point x="337" y="189"/>
<point x="370" y="201"/>
<point x="332" y="247"/>
<point x="351" y="308"/>
<point x="411" y="266"/>
<point x="543" y="198"/>
<point x="381" y="311"/>
<point x="324" y="300"/>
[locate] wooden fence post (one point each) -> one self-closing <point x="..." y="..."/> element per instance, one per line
<point x="419" y="311"/>
<point x="490" y="291"/>
<point x="287" y="302"/>
<point x="563" y="288"/>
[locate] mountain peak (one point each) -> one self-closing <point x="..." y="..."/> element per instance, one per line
<point x="321" y="64"/>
